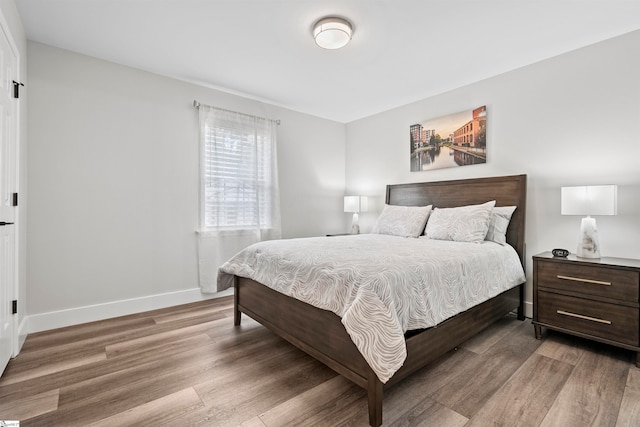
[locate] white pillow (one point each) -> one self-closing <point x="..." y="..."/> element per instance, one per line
<point x="498" y="223"/>
<point x="462" y="224"/>
<point x="404" y="221"/>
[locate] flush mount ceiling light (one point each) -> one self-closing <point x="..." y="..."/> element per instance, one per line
<point x="332" y="32"/>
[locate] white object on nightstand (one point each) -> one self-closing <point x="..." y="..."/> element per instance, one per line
<point x="355" y="204"/>
<point x="589" y="200"/>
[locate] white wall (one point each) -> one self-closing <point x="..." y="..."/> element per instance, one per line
<point x="569" y="120"/>
<point x="113" y="183"/>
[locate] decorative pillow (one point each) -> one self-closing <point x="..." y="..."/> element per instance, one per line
<point x="462" y="224"/>
<point x="498" y="223"/>
<point x="404" y="221"/>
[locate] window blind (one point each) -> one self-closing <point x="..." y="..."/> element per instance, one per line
<point x="239" y="171"/>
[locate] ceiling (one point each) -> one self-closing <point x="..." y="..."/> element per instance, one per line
<point x="402" y="50"/>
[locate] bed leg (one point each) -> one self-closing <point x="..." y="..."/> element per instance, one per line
<point x="521" y="306"/>
<point x="237" y="316"/>
<point x="374" y="395"/>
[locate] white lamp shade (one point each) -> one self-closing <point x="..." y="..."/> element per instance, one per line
<point x="364" y="204"/>
<point x="332" y="33"/>
<point x="352" y="204"/>
<point x="589" y="200"/>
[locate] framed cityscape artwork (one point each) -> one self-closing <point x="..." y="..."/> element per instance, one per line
<point x="450" y="141"/>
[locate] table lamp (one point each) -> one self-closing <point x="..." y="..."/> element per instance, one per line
<point x="589" y="200"/>
<point x="355" y="204"/>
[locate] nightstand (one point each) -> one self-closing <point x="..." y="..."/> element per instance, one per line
<point x="597" y="299"/>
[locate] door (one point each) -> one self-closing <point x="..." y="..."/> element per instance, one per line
<point x="8" y="187"/>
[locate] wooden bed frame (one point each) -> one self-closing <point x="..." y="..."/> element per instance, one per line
<point x="321" y="334"/>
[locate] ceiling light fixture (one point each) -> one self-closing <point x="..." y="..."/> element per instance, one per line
<point x="332" y="32"/>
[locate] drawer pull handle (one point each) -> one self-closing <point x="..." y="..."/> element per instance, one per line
<point x="578" y="279"/>
<point x="580" y="316"/>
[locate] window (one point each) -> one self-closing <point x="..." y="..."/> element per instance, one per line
<point x="239" y="182"/>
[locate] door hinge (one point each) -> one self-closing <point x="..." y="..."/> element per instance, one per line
<point x="14" y="306"/>
<point x="15" y="199"/>
<point x="16" y="89"/>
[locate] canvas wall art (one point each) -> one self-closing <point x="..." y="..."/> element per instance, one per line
<point x="454" y="140"/>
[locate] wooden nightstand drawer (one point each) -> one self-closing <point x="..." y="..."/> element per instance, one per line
<point x="608" y="321"/>
<point x="588" y="280"/>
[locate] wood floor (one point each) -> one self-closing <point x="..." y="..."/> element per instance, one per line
<point x="188" y="365"/>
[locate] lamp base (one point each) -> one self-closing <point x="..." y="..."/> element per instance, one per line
<point x="589" y="244"/>
<point x="355" y="226"/>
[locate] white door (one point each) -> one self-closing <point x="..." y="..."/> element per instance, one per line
<point x="8" y="187"/>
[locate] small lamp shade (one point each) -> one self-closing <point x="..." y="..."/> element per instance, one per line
<point x="355" y="204"/>
<point x="352" y="204"/>
<point x="589" y="200"/>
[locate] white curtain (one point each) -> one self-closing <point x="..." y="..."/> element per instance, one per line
<point x="239" y="197"/>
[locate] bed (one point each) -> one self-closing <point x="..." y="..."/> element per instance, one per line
<point x="322" y="334"/>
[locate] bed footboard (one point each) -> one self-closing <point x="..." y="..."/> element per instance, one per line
<point x="320" y="334"/>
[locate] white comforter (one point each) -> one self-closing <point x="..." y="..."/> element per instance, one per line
<point x="381" y="286"/>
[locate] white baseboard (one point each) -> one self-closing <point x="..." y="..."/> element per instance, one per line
<point x="23" y="330"/>
<point x="75" y="316"/>
<point x="528" y="309"/>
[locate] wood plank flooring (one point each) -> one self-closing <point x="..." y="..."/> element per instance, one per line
<point x="189" y="366"/>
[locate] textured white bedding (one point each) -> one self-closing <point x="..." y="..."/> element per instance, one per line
<point x="380" y="285"/>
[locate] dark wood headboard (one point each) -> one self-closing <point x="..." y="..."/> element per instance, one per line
<point x="505" y="190"/>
